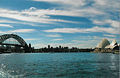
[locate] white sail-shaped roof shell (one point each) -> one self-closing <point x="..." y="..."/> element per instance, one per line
<point x="112" y="45"/>
<point x="103" y="44"/>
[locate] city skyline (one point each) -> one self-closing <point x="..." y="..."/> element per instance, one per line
<point x="81" y="23"/>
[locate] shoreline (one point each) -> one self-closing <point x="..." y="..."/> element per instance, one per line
<point x="62" y="52"/>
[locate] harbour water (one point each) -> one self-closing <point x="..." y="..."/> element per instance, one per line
<point x="59" y="65"/>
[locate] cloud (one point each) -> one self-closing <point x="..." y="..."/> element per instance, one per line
<point x="66" y="2"/>
<point x="6" y="25"/>
<point x="65" y="12"/>
<point x="107" y="4"/>
<point x="22" y="31"/>
<point x="31" y="39"/>
<point x="64" y="30"/>
<point x="30" y="15"/>
<point x="18" y="22"/>
<point x="18" y="31"/>
<point x="109" y="35"/>
<point x="101" y="12"/>
<point x="91" y="41"/>
<point x="75" y="8"/>
<point x="86" y="8"/>
<point x="78" y="3"/>
<point x="42" y="15"/>
<point x="6" y="21"/>
<point x="57" y="39"/>
<point x="102" y="29"/>
<point x="83" y="30"/>
<point x="55" y="35"/>
<point x="113" y="23"/>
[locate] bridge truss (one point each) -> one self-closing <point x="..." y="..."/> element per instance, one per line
<point x="22" y="46"/>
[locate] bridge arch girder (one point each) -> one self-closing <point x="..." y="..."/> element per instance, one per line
<point x="14" y="36"/>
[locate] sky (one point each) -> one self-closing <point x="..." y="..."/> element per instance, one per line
<point x="72" y="23"/>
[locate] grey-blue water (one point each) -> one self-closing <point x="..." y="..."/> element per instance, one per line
<point x="59" y="65"/>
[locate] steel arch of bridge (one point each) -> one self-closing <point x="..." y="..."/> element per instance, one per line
<point x="18" y="38"/>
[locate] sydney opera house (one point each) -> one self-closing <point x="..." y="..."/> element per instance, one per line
<point x="106" y="46"/>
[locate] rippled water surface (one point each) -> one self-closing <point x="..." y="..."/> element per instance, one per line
<point x="59" y="65"/>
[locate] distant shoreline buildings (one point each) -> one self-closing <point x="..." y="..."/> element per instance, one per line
<point x="104" y="46"/>
<point x="63" y="49"/>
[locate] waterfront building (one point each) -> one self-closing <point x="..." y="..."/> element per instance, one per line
<point x="113" y="45"/>
<point x="103" y="44"/>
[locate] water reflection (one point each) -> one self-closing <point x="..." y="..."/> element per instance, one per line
<point x="108" y="65"/>
<point x="11" y="65"/>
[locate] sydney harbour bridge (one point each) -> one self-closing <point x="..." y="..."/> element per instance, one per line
<point x="13" y="43"/>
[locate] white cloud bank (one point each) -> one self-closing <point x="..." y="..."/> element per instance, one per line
<point x="100" y="12"/>
<point x="66" y="2"/>
<point x="107" y="35"/>
<point x="54" y="35"/>
<point x="6" y="25"/>
<point x="57" y="39"/>
<point x="113" y="23"/>
<point x="22" y="30"/>
<point x="77" y="8"/>
<point x="18" y="31"/>
<point x="33" y="15"/>
<point x="83" y="30"/>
